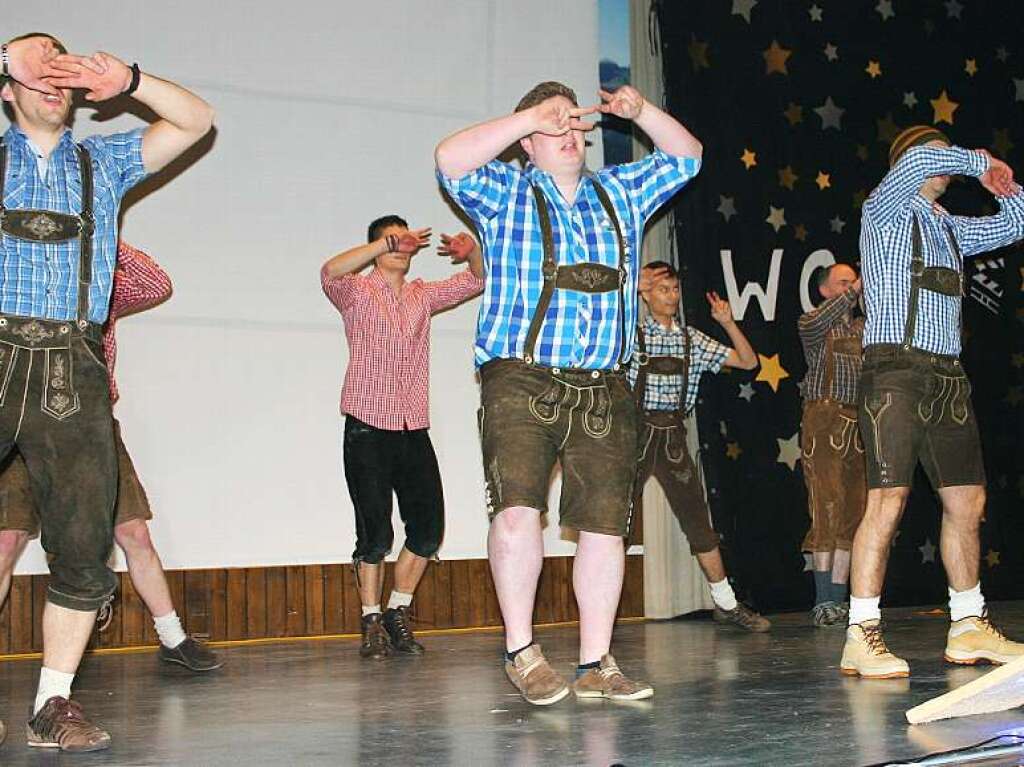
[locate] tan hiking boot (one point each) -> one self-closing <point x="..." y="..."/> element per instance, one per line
<point x="530" y="672"/>
<point x="742" y="617"/>
<point x="61" y="724"/>
<point x="609" y="682"/>
<point x="973" y="640"/>
<point x="865" y="654"/>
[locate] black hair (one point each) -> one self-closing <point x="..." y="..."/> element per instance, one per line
<point x="670" y="271"/>
<point x="378" y="225"/>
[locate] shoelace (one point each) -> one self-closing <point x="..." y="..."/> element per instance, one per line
<point x="404" y="632"/>
<point x="873" y="639"/>
<point x="987" y="626"/>
<point x="610" y="670"/>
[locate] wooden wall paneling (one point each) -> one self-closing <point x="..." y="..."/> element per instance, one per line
<point x="218" y="605"/>
<point x="39" y="583"/>
<point x="277" y="602"/>
<point x="460" y="587"/>
<point x="236" y="607"/>
<point x="134" y="615"/>
<point x="19" y="605"/>
<point x="295" y="601"/>
<point x="423" y="604"/>
<point x="198" y="595"/>
<point x="334" y="599"/>
<point x="314" y="578"/>
<point x="353" y="613"/>
<point x="443" y="594"/>
<point x="256" y="602"/>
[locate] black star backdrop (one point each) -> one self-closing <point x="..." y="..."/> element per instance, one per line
<point x="796" y="104"/>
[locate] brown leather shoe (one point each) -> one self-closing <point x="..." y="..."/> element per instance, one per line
<point x="530" y="672"/>
<point x="376" y="643"/>
<point x="608" y="681"/>
<point x="60" y="723"/>
<point x="742" y="617"/>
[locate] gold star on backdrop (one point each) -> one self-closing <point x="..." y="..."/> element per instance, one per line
<point x="787" y="177"/>
<point x="944" y="107"/>
<point x="749" y="158"/>
<point x="771" y="371"/>
<point x="1015" y="395"/>
<point x="775" y="59"/>
<point x="862" y="152"/>
<point x="992" y="558"/>
<point x="1001" y="141"/>
<point x="698" y="54"/>
<point x="874" y="69"/>
<point x="971" y="67"/>
<point x="800" y="232"/>
<point x="823" y="181"/>
<point x="887" y="129"/>
<point x="794" y="113"/>
<point x="733" y="450"/>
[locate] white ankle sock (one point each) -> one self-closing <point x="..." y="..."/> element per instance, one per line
<point x="168" y="628"/>
<point x="370" y="609"/>
<point x="963" y="604"/>
<point x="723" y="595"/>
<point x="52" y="683"/>
<point x="865" y="609"/>
<point x="399" y="599"/>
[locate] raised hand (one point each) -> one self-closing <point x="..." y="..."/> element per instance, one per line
<point x="458" y="248"/>
<point x="102" y="76"/>
<point x="626" y="102"/>
<point x="650" y="276"/>
<point x="408" y="242"/>
<point x="721" y="312"/>
<point x="30" y="62"/>
<point x="556" y="117"/>
<point x="998" y="179"/>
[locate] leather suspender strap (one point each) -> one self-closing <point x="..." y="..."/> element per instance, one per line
<point x="641" y="362"/>
<point x="686" y="371"/>
<point x="609" y="210"/>
<point x="550" y="270"/>
<point x="85" y="238"/>
<point x="916" y="270"/>
<point x="3" y="177"/>
<point x="644" y="362"/>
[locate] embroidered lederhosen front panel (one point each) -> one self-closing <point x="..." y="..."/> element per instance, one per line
<point x="844" y="436"/>
<point x="8" y="361"/>
<point x="596" y="416"/>
<point x="875" y="406"/>
<point x="946" y="394"/>
<point x="60" y="400"/>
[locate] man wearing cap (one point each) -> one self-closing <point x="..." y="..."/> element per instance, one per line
<point x="915" y="400"/>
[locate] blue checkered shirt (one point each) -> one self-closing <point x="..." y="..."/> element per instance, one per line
<point x="886" y="246"/>
<point x="580" y="330"/>
<point x="663" y="392"/>
<point x="41" y="279"/>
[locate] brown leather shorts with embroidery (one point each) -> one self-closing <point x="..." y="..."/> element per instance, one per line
<point x="917" y="406"/>
<point x="531" y="417"/>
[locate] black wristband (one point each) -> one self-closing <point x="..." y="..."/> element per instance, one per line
<point x="136" y="77"/>
<point x="392" y="241"/>
<point x="6" y="58"/>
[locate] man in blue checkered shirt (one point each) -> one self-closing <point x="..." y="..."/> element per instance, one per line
<point x="915" y="399"/>
<point x="556" y="328"/>
<point x="59" y="204"/>
<point x="665" y="375"/>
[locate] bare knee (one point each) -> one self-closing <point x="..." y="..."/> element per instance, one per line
<point x="963" y="506"/>
<point x="516" y="520"/>
<point x="133" y="537"/>
<point x="12" y="543"/>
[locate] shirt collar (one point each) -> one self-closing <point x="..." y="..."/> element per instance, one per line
<point x="922" y="204"/>
<point x="537" y="176"/>
<point x="15" y="135"/>
<point x="652" y="326"/>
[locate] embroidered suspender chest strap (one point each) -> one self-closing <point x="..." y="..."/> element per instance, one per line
<point x="662" y="365"/>
<point x="586" y="277"/>
<point x="50" y="226"/>
<point x="938" y="279"/>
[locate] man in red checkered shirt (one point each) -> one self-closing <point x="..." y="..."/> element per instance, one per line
<point x="139" y="284"/>
<point x="384" y="399"/>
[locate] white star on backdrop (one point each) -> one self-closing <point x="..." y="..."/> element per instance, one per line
<point x="830" y="114"/>
<point x="746" y="392"/>
<point x="953" y="9"/>
<point x="885" y="10"/>
<point x="837" y="225"/>
<point x="743" y="8"/>
<point x="927" y="550"/>
<point x="815" y="12"/>
<point x="909" y="100"/>
<point x="726" y="206"/>
<point x="789" y="451"/>
<point x="831" y="52"/>
<point x="776" y="217"/>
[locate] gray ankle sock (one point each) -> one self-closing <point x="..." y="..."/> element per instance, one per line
<point x="822" y="586"/>
<point x="839" y="591"/>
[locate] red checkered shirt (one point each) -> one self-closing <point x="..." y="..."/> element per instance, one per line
<point x="387" y="381"/>
<point x="139" y="283"/>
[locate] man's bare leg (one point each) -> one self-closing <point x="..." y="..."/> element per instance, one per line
<point x="65" y="635"/>
<point x="409" y="570"/>
<point x="12" y="546"/>
<point x="597" y="575"/>
<point x="515" y="549"/>
<point x="144" y="566"/>
<point x="869" y="557"/>
<point x="371" y="581"/>
<point x="962" y="510"/>
<point x="712" y="565"/>
<point x="840" y="566"/>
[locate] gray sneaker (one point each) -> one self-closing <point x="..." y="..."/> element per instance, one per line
<point x="742" y="617"/>
<point x="192" y="654"/>
<point x="825" y="614"/>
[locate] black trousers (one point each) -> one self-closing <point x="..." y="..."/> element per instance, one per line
<point x="379" y="463"/>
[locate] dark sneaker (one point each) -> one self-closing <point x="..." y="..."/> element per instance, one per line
<point x="61" y="724"/>
<point x="376" y="643"/>
<point x="743" y="617"/>
<point x="825" y="614"/>
<point x="396" y="623"/>
<point x="193" y="655"/>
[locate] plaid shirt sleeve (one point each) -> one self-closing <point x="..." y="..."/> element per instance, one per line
<point x="120" y="157"/>
<point x="814" y="325"/>
<point x="139" y="282"/>
<point x="980" y="234"/>
<point x="340" y="291"/>
<point x="903" y="181"/>
<point x="706" y="354"/>
<point x="484" y="192"/>
<point x="443" y="294"/>
<point x="650" y="182"/>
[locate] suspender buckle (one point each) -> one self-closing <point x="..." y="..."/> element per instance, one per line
<point x="916" y="267"/>
<point x="642" y="358"/>
<point x="550" y="271"/>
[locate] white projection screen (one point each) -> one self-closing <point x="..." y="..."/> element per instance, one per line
<point x="327" y="116"/>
